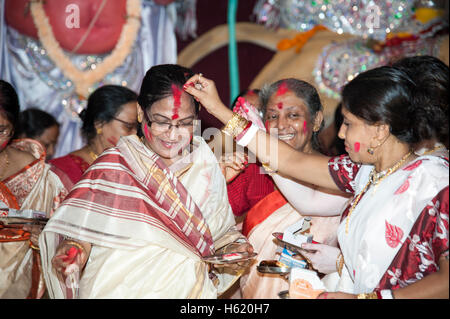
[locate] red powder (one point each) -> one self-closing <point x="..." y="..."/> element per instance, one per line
<point x="280" y="105"/>
<point x="112" y="140"/>
<point x="148" y="135"/>
<point x="357" y="146"/>
<point x="282" y="89"/>
<point x="176" y="92"/>
<point x="305" y="127"/>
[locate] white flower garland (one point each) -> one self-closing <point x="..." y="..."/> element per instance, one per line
<point x="83" y="80"/>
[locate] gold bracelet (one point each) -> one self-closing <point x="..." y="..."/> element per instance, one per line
<point x="269" y="170"/>
<point x="370" y="295"/>
<point x="235" y="125"/>
<point x="33" y="246"/>
<point x="340" y="264"/>
<point x="74" y="243"/>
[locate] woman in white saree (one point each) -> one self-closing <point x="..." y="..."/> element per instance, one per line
<point x="145" y="213"/>
<point x="394" y="233"/>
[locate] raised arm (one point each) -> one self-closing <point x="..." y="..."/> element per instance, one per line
<point x="269" y="150"/>
<point x="309" y="201"/>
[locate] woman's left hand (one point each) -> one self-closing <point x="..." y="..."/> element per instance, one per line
<point x="335" y="295"/>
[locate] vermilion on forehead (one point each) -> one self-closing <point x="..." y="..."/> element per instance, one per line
<point x="282" y="89"/>
<point x="176" y="93"/>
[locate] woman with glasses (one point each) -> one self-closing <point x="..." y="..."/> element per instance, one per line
<point x="110" y="114"/>
<point x="145" y="215"/>
<point x="26" y="183"/>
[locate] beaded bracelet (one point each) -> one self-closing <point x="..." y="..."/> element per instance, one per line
<point x="370" y="295"/>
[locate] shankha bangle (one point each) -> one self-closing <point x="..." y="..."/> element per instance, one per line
<point x="386" y="294"/>
<point x="245" y="139"/>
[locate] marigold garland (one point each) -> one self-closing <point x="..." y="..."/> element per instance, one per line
<point x="83" y="80"/>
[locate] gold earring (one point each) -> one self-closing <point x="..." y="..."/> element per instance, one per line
<point x="370" y="151"/>
<point x="139" y="118"/>
<point x="99" y="131"/>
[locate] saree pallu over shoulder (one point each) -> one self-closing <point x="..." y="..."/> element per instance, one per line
<point x="391" y="224"/>
<point x="130" y="205"/>
<point x="33" y="187"/>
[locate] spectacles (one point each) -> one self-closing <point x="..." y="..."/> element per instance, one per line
<point x="5" y="132"/>
<point x="160" y="126"/>
<point x="128" y="125"/>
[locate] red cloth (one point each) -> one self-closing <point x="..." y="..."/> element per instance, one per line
<point x="262" y="210"/>
<point x="427" y="241"/>
<point x="73" y="166"/>
<point x="248" y="188"/>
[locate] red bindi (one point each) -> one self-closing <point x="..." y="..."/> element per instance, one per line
<point x="280" y="105"/>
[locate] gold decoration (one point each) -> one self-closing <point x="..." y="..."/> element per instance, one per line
<point x="83" y="80"/>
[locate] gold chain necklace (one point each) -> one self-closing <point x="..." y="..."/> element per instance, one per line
<point x="92" y="154"/>
<point x="375" y="179"/>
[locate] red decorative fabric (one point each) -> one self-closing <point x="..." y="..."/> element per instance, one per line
<point x="248" y="188"/>
<point x="72" y="165"/>
<point x="263" y="209"/>
<point x="426" y="243"/>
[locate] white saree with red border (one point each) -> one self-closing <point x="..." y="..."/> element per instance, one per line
<point x="149" y="225"/>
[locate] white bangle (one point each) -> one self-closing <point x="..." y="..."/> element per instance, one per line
<point x="251" y="132"/>
<point x="386" y="294"/>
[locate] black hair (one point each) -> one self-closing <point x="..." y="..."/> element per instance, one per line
<point x="33" y="122"/>
<point x="302" y="90"/>
<point x="103" y="106"/>
<point x="386" y="95"/>
<point x="9" y="103"/>
<point x="431" y="77"/>
<point x="157" y="84"/>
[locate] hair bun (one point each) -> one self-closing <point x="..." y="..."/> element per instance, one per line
<point x="82" y="115"/>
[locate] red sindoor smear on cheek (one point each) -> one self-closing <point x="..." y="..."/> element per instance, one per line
<point x="112" y="140"/>
<point x="176" y="92"/>
<point x="148" y="135"/>
<point x="267" y="126"/>
<point x="305" y="127"/>
<point x="4" y="144"/>
<point x="357" y="146"/>
<point x="282" y="89"/>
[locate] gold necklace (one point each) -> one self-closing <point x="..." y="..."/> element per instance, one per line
<point x="92" y="154"/>
<point x="6" y="166"/>
<point x="375" y="179"/>
<point x="433" y="150"/>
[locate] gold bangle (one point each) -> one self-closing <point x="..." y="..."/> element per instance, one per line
<point x="74" y="243"/>
<point x="269" y="170"/>
<point x="370" y="295"/>
<point x="235" y="125"/>
<point x="34" y="247"/>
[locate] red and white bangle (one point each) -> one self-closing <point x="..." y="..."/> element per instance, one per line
<point x="244" y="138"/>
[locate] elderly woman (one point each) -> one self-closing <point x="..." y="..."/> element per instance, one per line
<point x="394" y="233"/>
<point x="110" y="114"/>
<point x="145" y="215"/>
<point x="292" y="112"/>
<point x="26" y="183"/>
